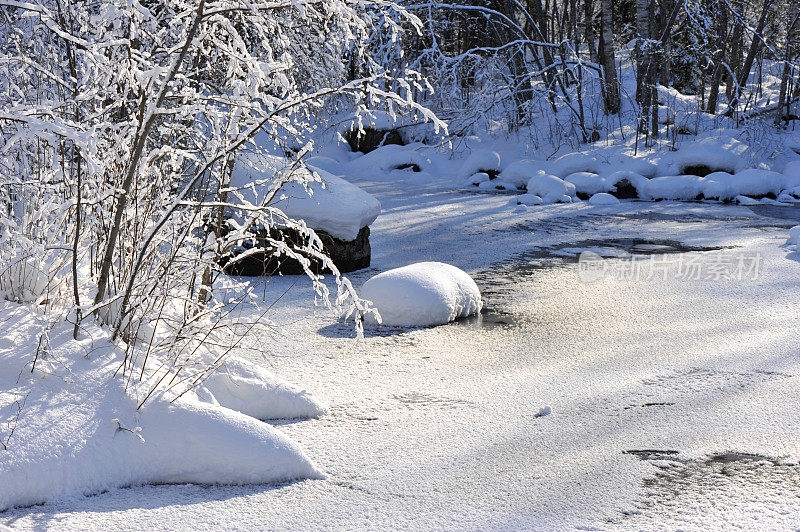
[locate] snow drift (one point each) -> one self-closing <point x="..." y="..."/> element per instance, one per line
<point x="422" y="294"/>
<point x="77" y="429"/>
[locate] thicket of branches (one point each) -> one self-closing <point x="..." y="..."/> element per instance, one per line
<point x="120" y="125"/>
<point x="513" y="60"/>
<point x="121" y="122"/>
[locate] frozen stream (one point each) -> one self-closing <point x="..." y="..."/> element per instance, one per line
<point x="673" y="395"/>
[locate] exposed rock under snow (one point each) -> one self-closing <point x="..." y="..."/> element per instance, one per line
<point x="422" y="294"/>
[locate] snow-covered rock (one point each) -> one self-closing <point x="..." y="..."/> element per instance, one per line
<point x="626" y="183"/>
<point x="387" y="158"/>
<point x="325" y="202"/>
<point x="422" y="294"/>
<point x="603" y="198"/>
<point x="674" y="187"/>
<point x="637" y="165"/>
<point x="746" y="200"/>
<point x="480" y="161"/>
<point x="750" y="182"/>
<point x="550" y="188"/>
<point x="520" y="172"/>
<point x="572" y="163"/>
<point x="794" y="236"/>
<point x="477" y="178"/>
<point x="529" y="199"/>
<point x="791" y="174"/>
<point x="714" y="153"/>
<point x="588" y="183"/>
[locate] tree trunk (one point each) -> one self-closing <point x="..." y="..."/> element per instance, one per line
<point x="611" y="86"/>
<point x="794" y="14"/>
<point x="755" y="46"/>
<point x="719" y="58"/>
<point x="588" y="29"/>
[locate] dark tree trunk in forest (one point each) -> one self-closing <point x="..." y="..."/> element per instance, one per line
<point x="610" y="83"/>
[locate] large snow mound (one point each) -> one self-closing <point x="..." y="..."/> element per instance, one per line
<point x="520" y="172"/>
<point x="794" y="236"/>
<point x="324" y="201"/>
<point x="479" y="161"/>
<point x="588" y="183"/>
<point x="79" y="431"/>
<point x="716" y="153"/>
<point x="550" y="188"/>
<point x="603" y="199"/>
<point x="423" y="294"/>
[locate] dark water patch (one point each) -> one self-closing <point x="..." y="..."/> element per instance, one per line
<point x="680" y="484"/>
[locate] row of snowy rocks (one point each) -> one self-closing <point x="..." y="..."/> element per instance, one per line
<point x="582" y="176"/>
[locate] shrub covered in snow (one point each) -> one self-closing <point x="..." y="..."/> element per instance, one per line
<point x="422" y="294"/>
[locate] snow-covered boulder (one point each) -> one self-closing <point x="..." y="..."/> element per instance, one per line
<point x="520" y="172"/>
<point x="750" y="182"/>
<point x="484" y="161"/>
<point x="550" y="188"/>
<point x="422" y="294"/>
<point x="791" y="173"/>
<point x="637" y="165"/>
<point x="388" y="158"/>
<point x="476" y="179"/>
<point x="674" y="187"/>
<point x="626" y="184"/>
<point x="337" y="210"/>
<point x="324" y="201"/>
<point x="702" y="157"/>
<point x="528" y="199"/>
<point x="794" y="236"/>
<point x="603" y="199"/>
<point x="587" y="183"/>
<point x="574" y="162"/>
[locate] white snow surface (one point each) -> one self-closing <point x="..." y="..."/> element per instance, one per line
<point x="254" y="391"/>
<point x="328" y="203"/>
<point x="422" y="294"/>
<point x="479" y="161"/>
<point x="550" y="188"/>
<point x="720" y="152"/>
<point x="588" y="183"/>
<point x="794" y="236"/>
<point x="79" y="431"/>
<point x="604" y="199"/>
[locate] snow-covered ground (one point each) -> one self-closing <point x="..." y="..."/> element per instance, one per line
<point x="653" y="394"/>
